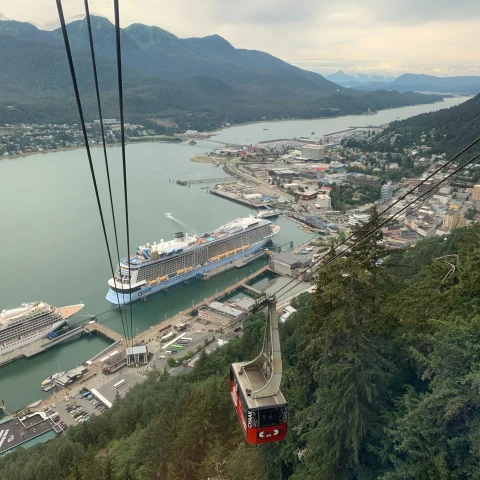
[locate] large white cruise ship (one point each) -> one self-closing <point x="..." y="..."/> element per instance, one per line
<point x="30" y="322"/>
<point x="159" y="266"/>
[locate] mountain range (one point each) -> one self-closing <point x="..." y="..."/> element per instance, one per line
<point x="191" y="82"/>
<point x="469" y="85"/>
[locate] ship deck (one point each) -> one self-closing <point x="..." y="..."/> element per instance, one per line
<point x="67" y="312"/>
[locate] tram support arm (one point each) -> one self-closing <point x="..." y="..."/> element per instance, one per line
<point x="270" y="358"/>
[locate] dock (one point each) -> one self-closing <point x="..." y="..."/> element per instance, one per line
<point x="207" y="180"/>
<point x="103" y="330"/>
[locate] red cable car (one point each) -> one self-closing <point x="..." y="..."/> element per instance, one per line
<point x="255" y="388"/>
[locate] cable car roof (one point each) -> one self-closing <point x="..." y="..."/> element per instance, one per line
<point x="253" y="379"/>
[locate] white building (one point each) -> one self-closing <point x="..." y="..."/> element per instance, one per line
<point x="358" y="219"/>
<point x="386" y="192"/>
<point x="335" y="178"/>
<point x="313" y="152"/>
<point x="323" y="201"/>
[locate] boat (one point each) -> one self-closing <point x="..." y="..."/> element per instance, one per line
<point x="269" y="213"/>
<point x="31" y="321"/>
<point x="186" y="257"/>
<point x="193" y="142"/>
<point x="49" y="380"/>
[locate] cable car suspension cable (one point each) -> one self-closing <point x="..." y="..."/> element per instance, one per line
<point x="122" y="133"/>
<point x="84" y="130"/>
<point x="107" y="169"/>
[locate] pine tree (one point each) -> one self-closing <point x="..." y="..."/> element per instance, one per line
<point x="369" y="250"/>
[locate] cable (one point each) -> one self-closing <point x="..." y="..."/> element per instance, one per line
<point x="99" y="105"/>
<point x="124" y="163"/>
<point x="84" y="130"/>
<point x="388" y="220"/>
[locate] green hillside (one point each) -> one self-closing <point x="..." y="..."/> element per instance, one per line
<point x="194" y="82"/>
<point x="381" y="371"/>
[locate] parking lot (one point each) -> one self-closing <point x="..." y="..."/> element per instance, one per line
<point x="73" y="407"/>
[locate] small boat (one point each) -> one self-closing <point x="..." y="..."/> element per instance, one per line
<point x="269" y="213"/>
<point x="313" y="133"/>
<point x="49" y="380"/>
<point x="193" y="142"/>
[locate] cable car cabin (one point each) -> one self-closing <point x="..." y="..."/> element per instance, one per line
<point x="263" y="420"/>
<point x="255" y="387"/>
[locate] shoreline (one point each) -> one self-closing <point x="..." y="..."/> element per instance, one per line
<point x="213" y="133"/>
<point x="365" y="114"/>
<point x="79" y="147"/>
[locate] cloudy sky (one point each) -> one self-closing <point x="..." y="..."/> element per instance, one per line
<point x="440" y="37"/>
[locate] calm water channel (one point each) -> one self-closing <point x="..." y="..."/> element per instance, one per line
<point x="52" y="248"/>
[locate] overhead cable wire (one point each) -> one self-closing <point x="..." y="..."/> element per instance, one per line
<point x="107" y="169"/>
<point x="470" y="162"/>
<point x="84" y="130"/>
<point x="124" y="162"/>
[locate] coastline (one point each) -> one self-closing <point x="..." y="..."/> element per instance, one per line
<point x="97" y="145"/>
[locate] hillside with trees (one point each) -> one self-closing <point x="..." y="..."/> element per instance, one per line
<point x="193" y="82"/>
<point x="381" y="372"/>
<point x="444" y="131"/>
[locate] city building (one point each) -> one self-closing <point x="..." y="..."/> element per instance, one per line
<point x="282" y="173"/>
<point x="137" y="355"/>
<point x="309" y="194"/>
<point x="452" y="219"/>
<point x="287" y="263"/>
<point x="323" y="201"/>
<point x="287" y="311"/>
<point x="313" y="152"/>
<point x="332" y="178"/>
<point x="386" y="192"/>
<point x="226" y="337"/>
<point x="358" y="219"/>
<point x="476" y="193"/>
<point x="114" y="362"/>
<point x="363" y="179"/>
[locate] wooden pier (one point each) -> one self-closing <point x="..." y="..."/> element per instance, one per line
<point x="207" y="180"/>
<point x="105" y="331"/>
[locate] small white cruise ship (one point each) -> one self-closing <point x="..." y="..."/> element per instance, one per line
<point x="31" y="321"/>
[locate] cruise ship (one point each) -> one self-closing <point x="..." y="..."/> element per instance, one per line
<point x="159" y="266"/>
<point x="31" y="321"/>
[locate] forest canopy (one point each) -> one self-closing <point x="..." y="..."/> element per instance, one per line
<point x="381" y="372"/>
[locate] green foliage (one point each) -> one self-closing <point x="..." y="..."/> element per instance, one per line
<point x="381" y="369"/>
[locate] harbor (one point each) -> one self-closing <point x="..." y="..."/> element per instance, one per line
<point x="75" y="268"/>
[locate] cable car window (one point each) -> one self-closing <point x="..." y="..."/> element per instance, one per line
<point x="269" y="417"/>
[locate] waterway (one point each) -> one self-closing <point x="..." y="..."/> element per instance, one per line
<point x="255" y="132"/>
<point x="52" y="247"/>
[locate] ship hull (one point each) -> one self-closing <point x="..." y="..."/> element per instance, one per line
<point x="24" y="342"/>
<point x="147" y="290"/>
<point x="67" y="312"/>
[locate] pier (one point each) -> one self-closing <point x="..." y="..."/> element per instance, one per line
<point x="250" y="289"/>
<point x="207" y="180"/>
<point x="103" y="330"/>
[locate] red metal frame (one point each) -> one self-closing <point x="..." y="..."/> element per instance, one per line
<point x="255" y="436"/>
